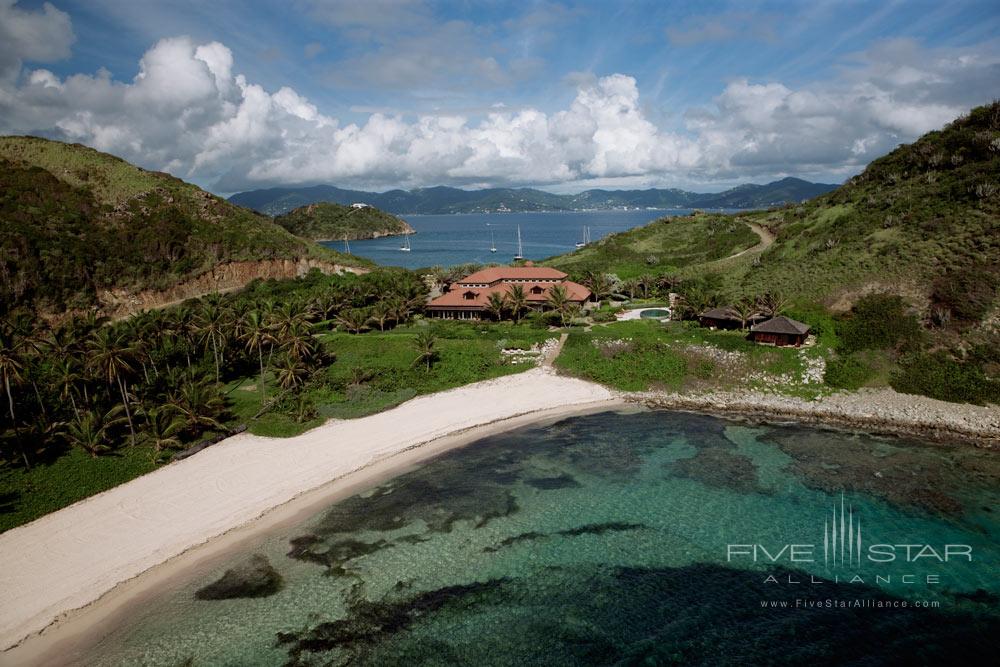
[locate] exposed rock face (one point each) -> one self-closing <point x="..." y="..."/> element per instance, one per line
<point x="226" y="277"/>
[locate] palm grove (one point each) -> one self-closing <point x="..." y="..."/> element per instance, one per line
<point x="157" y="379"/>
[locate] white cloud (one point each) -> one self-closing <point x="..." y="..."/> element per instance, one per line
<point x="36" y="36"/>
<point x="889" y="95"/>
<point x="189" y="112"/>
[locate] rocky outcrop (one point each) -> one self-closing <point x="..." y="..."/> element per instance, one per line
<point x="870" y="410"/>
<point x="120" y="302"/>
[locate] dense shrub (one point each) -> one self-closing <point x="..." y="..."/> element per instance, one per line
<point x="939" y="375"/>
<point x="879" y="322"/>
<point x="848" y="372"/>
<point x="968" y="292"/>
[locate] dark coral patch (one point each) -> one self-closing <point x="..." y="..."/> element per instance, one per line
<point x="256" y="578"/>
<point x="719" y="467"/>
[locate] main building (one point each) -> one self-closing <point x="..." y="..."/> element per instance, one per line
<point x="467" y="299"/>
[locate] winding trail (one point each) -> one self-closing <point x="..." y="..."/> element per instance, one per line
<point x="766" y="239"/>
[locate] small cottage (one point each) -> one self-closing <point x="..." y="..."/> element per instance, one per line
<point x="780" y="331"/>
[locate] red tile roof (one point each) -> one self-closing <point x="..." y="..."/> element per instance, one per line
<point x="495" y="273"/>
<point x="455" y="298"/>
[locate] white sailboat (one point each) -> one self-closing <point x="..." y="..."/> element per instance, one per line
<point x="406" y="243"/>
<point x="347" y="246"/>
<point x="493" y="245"/>
<point x="520" y="251"/>
<point x="586" y="238"/>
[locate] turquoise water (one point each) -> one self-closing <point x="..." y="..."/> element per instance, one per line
<point x="603" y="539"/>
<point x="447" y="240"/>
<point x="654" y="313"/>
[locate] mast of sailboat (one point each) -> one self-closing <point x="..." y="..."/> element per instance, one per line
<point x="493" y="244"/>
<point x="347" y="245"/>
<point x="520" y="251"/>
<point x="406" y="242"/>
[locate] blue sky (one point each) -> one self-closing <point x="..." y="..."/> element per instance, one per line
<point x="558" y="95"/>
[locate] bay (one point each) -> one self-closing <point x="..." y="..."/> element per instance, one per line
<point x="607" y="539"/>
<point x="447" y="240"/>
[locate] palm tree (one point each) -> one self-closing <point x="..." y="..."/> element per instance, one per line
<point x="558" y="300"/>
<point x="110" y="356"/>
<point x="646" y="283"/>
<point x="598" y="283"/>
<point x="354" y="320"/>
<point x="496" y="304"/>
<point x="257" y="336"/>
<point x="90" y="432"/>
<point x="300" y="344"/>
<point x="746" y="308"/>
<point x="380" y="313"/>
<point x="198" y="403"/>
<point x="424" y="344"/>
<point x="210" y="325"/>
<point x="11" y="369"/>
<point x="163" y="426"/>
<point x="66" y="371"/>
<point x="286" y="319"/>
<point x="771" y="303"/>
<point x="517" y="302"/>
<point x="292" y="373"/>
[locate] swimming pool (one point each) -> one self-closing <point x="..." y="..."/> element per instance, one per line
<point x="655" y="313"/>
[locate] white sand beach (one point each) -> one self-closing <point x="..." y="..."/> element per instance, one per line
<point x="71" y="558"/>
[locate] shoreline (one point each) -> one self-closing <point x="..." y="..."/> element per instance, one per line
<point x="80" y="629"/>
<point x="47" y="567"/>
<point x="874" y="411"/>
<point x="48" y="622"/>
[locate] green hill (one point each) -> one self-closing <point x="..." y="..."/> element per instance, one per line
<point x="897" y="271"/>
<point x="923" y="221"/>
<point x="326" y="221"/>
<point x="84" y="229"/>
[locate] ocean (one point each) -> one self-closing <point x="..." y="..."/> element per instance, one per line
<point x="648" y="537"/>
<point x="447" y="240"/>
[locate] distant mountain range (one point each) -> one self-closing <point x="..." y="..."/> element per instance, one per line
<point x="441" y="200"/>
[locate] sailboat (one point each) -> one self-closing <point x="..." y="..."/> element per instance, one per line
<point x="347" y="246"/>
<point x="586" y="238"/>
<point x="493" y="245"/>
<point x="406" y="243"/>
<point x="520" y="251"/>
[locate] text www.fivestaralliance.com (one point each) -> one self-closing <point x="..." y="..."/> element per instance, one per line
<point x="854" y="603"/>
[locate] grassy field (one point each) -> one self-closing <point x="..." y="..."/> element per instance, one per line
<point x="680" y="356"/>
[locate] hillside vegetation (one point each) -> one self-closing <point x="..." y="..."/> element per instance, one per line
<point x="902" y="263"/>
<point x="924" y="220"/>
<point x="663" y="245"/>
<point x="326" y="221"/>
<point x="78" y="222"/>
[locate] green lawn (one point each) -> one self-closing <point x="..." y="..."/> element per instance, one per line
<point x="27" y="495"/>
<point x="680" y="356"/>
<point x="375" y="371"/>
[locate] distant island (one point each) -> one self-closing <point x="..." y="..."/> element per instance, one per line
<point x="444" y="200"/>
<point x="326" y="221"/>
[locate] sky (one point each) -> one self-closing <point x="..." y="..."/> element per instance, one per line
<point x="565" y="96"/>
